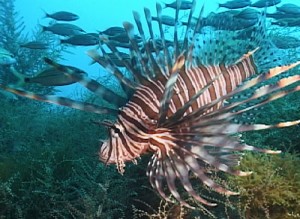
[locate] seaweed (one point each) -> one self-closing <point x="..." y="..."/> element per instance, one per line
<point x="273" y="189"/>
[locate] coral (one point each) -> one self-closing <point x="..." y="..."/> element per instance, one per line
<point x="273" y="190"/>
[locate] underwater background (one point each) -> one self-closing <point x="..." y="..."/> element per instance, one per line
<point x="49" y="162"/>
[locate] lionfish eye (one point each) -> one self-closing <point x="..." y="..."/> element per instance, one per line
<point x="117" y="130"/>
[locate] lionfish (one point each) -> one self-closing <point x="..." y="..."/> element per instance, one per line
<point x="178" y="102"/>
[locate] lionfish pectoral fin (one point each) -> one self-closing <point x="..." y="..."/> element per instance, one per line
<point x="99" y="90"/>
<point x="62" y="101"/>
<point x="155" y="174"/>
<point x="171" y="175"/>
<point x="183" y="173"/>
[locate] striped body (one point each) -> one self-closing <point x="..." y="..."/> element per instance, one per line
<point x="137" y="120"/>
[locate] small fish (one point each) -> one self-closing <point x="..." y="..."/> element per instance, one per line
<point x="6" y="57"/>
<point x="289" y="9"/>
<point x="86" y="39"/>
<point x="120" y="38"/>
<point x="158" y="44"/>
<point x="34" y="45"/>
<point x="248" y="14"/>
<point x="62" y="16"/>
<point x="119" y="44"/>
<point x="63" y="29"/>
<point x="227" y="21"/>
<point x="265" y="3"/>
<point x="112" y="31"/>
<point x="286" y="42"/>
<point x="185" y="5"/>
<point x="279" y="15"/>
<point x="55" y="77"/>
<point x="235" y="4"/>
<point x="112" y="57"/>
<point x="287" y="22"/>
<point x="166" y="20"/>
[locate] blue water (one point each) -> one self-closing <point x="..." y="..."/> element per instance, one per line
<point x="95" y="16"/>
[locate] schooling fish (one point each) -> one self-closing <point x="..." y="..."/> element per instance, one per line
<point x="112" y="31"/>
<point x="166" y="20"/>
<point x="175" y="106"/>
<point x="248" y="14"/>
<point x="62" y="16"/>
<point x="287" y="22"/>
<point x="63" y="29"/>
<point x="34" y="45"/>
<point x="55" y="76"/>
<point x="265" y="3"/>
<point x="289" y="9"/>
<point x="110" y="56"/>
<point x="6" y="57"/>
<point x="279" y="15"/>
<point x="235" y="4"/>
<point x="184" y="5"/>
<point x="87" y="39"/>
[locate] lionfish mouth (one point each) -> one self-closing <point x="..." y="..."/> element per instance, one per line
<point x="186" y="101"/>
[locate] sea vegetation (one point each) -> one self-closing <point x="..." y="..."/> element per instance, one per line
<point x="273" y="189"/>
<point x="49" y="164"/>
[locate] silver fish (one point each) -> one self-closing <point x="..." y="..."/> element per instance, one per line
<point x="265" y="3"/>
<point x="86" y="39"/>
<point x="63" y="29"/>
<point x="55" y="77"/>
<point x="285" y="42"/>
<point x="279" y="15"/>
<point x="289" y="9"/>
<point x="248" y="14"/>
<point x="34" y="45"/>
<point x="6" y="57"/>
<point x="235" y="4"/>
<point x="184" y="5"/>
<point x="287" y="22"/>
<point x="166" y="20"/>
<point x="102" y="59"/>
<point x="112" y="31"/>
<point x="62" y="16"/>
<point x="121" y="38"/>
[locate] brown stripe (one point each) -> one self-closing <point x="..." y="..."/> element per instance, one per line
<point x="191" y="89"/>
<point x="212" y="90"/>
<point x="227" y="78"/>
<point x="133" y="121"/>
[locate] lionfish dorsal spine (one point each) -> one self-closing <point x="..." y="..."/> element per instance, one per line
<point x="167" y="62"/>
<point x="137" y="55"/>
<point x="176" y="45"/>
<point x="188" y="27"/>
<point x="169" y="88"/>
<point x="126" y="84"/>
<point x="153" y="70"/>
